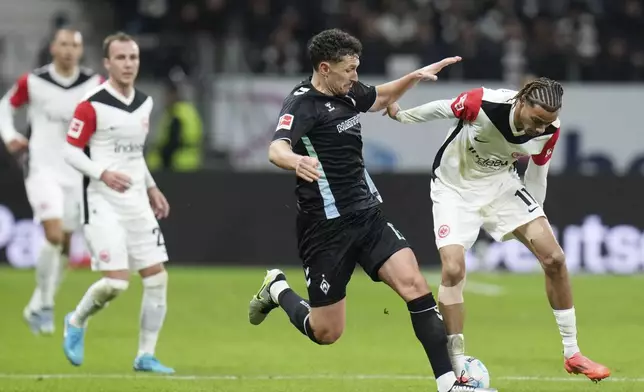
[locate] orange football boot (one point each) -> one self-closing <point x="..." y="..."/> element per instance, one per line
<point x="578" y="364"/>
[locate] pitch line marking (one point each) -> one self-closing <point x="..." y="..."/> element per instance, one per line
<point x="356" y="377"/>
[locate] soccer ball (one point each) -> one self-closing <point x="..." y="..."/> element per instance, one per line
<point x="476" y="373"/>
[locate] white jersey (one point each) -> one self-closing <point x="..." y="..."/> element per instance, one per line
<point x="475" y="182"/>
<point x="483" y="145"/>
<point x="112" y="130"/>
<point x="51" y="99"/>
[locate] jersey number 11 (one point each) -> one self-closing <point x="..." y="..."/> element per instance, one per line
<point x="527" y="199"/>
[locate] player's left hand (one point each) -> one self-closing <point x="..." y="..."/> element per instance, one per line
<point x="159" y="203"/>
<point x="429" y="72"/>
<point x="17" y="145"/>
<point x="392" y="110"/>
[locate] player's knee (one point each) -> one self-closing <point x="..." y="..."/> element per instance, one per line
<point x="553" y="261"/>
<point x="328" y="334"/>
<point x="453" y="270"/>
<point x="402" y="274"/>
<point x="411" y="285"/>
<point x="54" y="237"/>
<point x="112" y="288"/>
<point x="159" y="280"/>
<point x="453" y="264"/>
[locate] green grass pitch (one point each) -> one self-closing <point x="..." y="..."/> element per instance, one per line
<point x="208" y="340"/>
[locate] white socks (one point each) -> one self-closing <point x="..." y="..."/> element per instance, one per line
<point x="47" y="275"/>
<point x="456" y="349"/>
<point x="153" y="311"/>
<point x="153" y="306"/>
<point x="96" y="297"/>
<point x="277" y="288"/>
<point x="567" y="323"/>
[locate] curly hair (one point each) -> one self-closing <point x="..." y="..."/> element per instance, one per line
<point x="332" y="45"/>
<point x="544" y="92"/>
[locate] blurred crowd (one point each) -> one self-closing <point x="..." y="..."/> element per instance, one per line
<point x="591" y="40"/>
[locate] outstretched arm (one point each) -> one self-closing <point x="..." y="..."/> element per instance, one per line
<point x="390" y="92"/>
<point x="465" y="107"/>
<point x="434" y="110"/>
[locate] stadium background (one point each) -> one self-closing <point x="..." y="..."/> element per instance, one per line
<point x="233" y="214"/>
<point x="235" y="61"/>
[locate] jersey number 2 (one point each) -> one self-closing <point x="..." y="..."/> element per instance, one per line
<point x="527" y="199"/>
<point x="157" y="231"/>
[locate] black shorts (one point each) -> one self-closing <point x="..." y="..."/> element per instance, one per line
<point x="331" y="248"/>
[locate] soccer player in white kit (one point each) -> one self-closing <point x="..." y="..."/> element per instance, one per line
<point x="121" y="203"/>
<point x="475" y="184"/>
<point x="53" y="187"/>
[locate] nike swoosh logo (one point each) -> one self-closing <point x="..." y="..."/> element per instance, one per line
<point x="479" y="140"/>
<point x="532" y="209"/>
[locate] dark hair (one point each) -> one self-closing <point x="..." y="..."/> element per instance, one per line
<point x="544" y="92"/>
<point x="120" y="36"/>
<point x="66" y="28"/>
<point x="332" y="45"/>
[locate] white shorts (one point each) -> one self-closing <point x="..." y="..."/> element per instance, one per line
<point x="118" y="243"/>
<point x="459" y="215"/>
<point x="51" y="200"/>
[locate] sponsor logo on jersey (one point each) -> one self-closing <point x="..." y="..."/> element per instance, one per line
<point x="128" y="148"/>
<point x="285" y="122"/>
<point x="348" y="124"/>
<point x="58" y="118"/>
<point x="490" y="163"/>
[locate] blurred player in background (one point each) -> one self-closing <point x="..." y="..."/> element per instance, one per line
<point x="121" y="203"/>
<point x="475" y="184"/>
<point x="339" y="221"/>
<point x="52" y="186"/>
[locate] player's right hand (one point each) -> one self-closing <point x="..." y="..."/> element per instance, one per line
<point x="17" y="144"/>
<point x="307" y="169"/>
<point x="429" y="72"/>
<point x="117" y="181"/>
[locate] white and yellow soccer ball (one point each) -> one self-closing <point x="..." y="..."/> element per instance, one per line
<point x="476" y="373"/>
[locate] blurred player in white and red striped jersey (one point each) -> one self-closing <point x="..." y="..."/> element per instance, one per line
<point x="52" y="186"/>
<point x="121" y="203"/>
<point x="475" y="184"/>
